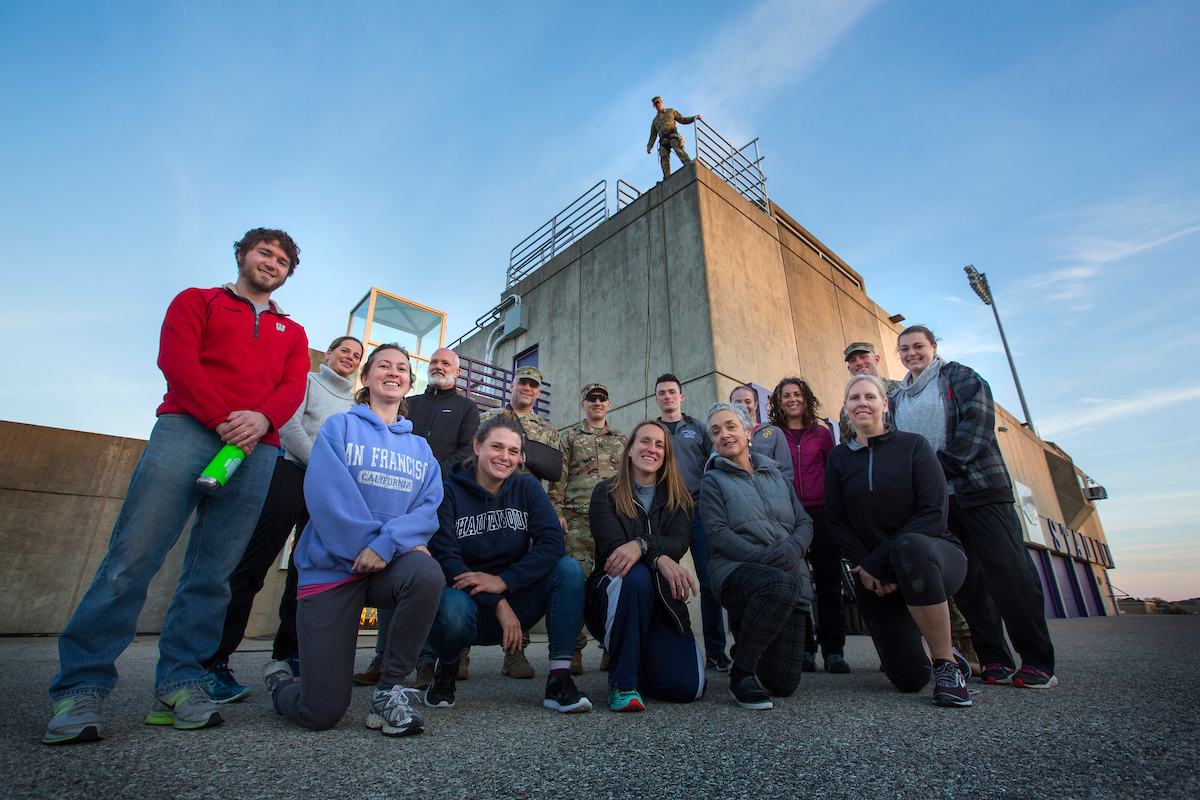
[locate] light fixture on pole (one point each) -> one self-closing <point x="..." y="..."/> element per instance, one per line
<point x="980" y="285"/>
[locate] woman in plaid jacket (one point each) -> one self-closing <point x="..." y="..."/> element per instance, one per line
<point x="951" y="406"/>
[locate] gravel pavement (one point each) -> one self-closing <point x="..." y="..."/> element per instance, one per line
<point x="1124" y="723"/>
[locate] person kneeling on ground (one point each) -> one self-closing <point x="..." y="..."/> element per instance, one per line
<point x="372" y="489"/>
<point x="759" y="533"/>
<point x="886" y="502"/>
<point x="641" y="520"/>
<point x="506" y="566"/>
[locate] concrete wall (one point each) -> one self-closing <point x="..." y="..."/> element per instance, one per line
<point x="61" y="492"/>
<point x="623" y="305"/>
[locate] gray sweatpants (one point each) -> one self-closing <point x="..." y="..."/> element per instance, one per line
<point x="327" y="625"/>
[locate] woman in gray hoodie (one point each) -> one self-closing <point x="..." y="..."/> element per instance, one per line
<point x="758" y="533"/>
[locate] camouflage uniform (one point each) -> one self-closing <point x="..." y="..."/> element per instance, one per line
<point x="536" y="430"/>
<point x="591" y="457"/>
<point x="663" y="128"/>
<point x="846" y="429"/>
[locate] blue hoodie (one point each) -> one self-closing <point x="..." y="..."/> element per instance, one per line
<point x="368" y="485"/>
<point x="514" y="534"/>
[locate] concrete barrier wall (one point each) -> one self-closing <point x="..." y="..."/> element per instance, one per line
<point x="61" y="492"/>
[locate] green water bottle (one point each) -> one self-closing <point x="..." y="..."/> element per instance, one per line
<point x="220" y="469"/>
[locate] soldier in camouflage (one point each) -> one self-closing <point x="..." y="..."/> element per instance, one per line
<point x="524" y="392"/>
<point x="593" y="453"/>
<point x="663" y="128"/>
<point x="861" y="358"/>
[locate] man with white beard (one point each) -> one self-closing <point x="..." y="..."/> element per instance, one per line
<point x="448" y="421"/>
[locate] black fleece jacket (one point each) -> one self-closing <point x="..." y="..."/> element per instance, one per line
<point x="448" y="421"/>
<point x="873" y="493"/>
<point x="514" y="534"/>
<point x="666" y="533"/>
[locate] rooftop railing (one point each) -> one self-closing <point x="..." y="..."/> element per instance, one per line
<point x="741" y="167"/>
<point x="626" y="194"/>
<point x="584" y="213"/>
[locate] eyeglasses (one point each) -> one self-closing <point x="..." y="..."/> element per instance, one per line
<point x="595" y="398"/>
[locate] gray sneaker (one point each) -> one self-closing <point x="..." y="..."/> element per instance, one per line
<point x="78" y="718"/>
<point x="392" y="713"/>
<point x="277" y="674"/>
<point x="187" y="708"/>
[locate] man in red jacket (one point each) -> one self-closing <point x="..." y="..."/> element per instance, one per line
<point x="236" y="368"/>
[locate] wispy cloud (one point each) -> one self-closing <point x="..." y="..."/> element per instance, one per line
<point x="775" y="46"/>
<point x="1098" y="413"/>
<point x="1095" y="250"/>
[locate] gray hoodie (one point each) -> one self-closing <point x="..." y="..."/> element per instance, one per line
<point x="754" y="519"/>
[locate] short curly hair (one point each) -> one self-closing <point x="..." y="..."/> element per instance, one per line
<point x="257" y="235"/>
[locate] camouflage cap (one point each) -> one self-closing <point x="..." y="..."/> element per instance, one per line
<point x="528" y="372"/>
<point x="656" y="100"/>
<point x="593" y="387"/>
<point x="858" y="347"/>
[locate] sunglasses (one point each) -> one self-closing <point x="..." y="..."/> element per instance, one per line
<point x="595" y="398"/>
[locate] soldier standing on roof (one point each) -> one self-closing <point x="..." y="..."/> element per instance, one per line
<point x="669" y="138"/>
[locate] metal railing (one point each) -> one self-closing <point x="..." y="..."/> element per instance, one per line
<point x="626" y="194"/>
<point x="486" y="318"/>
<point x="586" y="212"/>
<point x="487" y="385"/>
<point x="737" y="167"/>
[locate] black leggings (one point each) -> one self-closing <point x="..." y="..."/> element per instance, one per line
<point x="927" y="570"/>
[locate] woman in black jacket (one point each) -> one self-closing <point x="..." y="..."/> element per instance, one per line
<point x="886" y="504"/>
<point x="636" y="596"/>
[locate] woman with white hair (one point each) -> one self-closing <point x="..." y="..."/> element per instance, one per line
<point x="886" y="504"/>
<point x="758" y="534"/>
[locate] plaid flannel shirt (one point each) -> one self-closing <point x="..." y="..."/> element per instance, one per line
<point x="971" y="460"/>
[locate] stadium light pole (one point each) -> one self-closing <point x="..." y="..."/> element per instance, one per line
<point x="980" y="285"/>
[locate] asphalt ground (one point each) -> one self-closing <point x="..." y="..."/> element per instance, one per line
<point x="1123" y="724"/>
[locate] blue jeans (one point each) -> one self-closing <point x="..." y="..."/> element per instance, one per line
<point x="710" y="609"/>
<point x="558" y="597"/>
<point x="162" y="495"/>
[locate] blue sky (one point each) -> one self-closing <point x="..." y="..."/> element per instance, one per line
<point x="411" y="146"/>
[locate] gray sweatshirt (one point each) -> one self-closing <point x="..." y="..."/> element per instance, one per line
<point x="327" y="394"/>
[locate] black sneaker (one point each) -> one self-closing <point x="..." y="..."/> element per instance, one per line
<point x="720" y="662"/>
<point x="561" y="695"/>
<point x="836" y="664"/>
<point x="996" y="674"/>
<point x="749" y="694"/>
<point x="950" y="688"/>
<point x="440" y="693"/>
<point x="810" y="662"/>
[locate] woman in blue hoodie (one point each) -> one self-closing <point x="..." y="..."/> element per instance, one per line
<point x="506" y="566"/>
<point x="372" y="489"/>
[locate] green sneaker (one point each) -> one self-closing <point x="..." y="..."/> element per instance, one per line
<point x="78" y="718"/>
<point x="187" y="709"/>
<point x="625" y="699"/>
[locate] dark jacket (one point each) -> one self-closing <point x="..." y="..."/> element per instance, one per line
<point x="971" y="461"/>
<point x="665" y="533"/>
<point x="754" y="519"/>
<point x="874" y="492"/>
<point x="692" y="447"/>
<point x="513" y="534"/>
<point x="447" y="420"/>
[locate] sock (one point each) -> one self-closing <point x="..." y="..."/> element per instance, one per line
<point x="560" y="666"/>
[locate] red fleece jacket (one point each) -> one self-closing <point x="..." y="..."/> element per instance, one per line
<point x="217" y="358"/>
